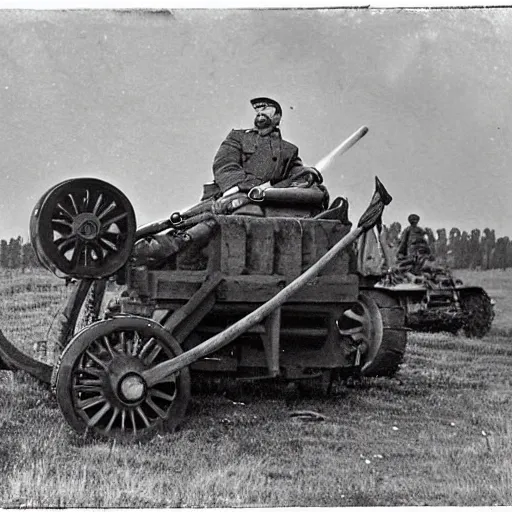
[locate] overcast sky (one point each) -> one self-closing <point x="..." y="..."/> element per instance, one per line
<point x="143" y="100"/>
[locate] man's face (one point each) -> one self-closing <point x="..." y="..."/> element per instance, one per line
<point x="264" y="116"/>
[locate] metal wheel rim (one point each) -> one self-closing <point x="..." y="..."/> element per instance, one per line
<point x="364" y="325"/>
<point x="83" y="228"/>
<point x="90" y="379"/>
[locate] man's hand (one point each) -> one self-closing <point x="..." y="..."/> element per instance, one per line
<point x="231" y="191"/>
<point x="313" y="175"/>
<point x="306" y="177"/>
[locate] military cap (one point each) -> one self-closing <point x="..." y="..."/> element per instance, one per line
<point x="256" y="102"/>
<point x="413" y="217"/>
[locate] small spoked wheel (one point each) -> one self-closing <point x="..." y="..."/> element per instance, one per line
<point x="83" y="228"/>
<point x="376" y="324"/>
<point x="100" y="386"/>
<point x="363" y="324"/>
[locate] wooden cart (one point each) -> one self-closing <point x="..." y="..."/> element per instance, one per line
<point x="275" y="296"/>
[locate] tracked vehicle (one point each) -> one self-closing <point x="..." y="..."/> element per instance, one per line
<point x="435" y="301"/>
<point x="272" y="292"/>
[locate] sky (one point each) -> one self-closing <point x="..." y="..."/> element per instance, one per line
<point x="144" y="99"/>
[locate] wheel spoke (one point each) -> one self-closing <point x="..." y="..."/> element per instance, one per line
<point x="88" y="388"/>
<point x="97" y="360"/>
<point x="65" y="243"/>
<point x="90" y="370"/>
<point x="354" y="316"/>
<point x="154" y="353"/>
<point x="97" y="417"/>
<point x="85" y="201"/>
<point x="143" y="351"/>
<point x="73" y="202"/>
<point x="125" y="343"/>
<point x="64" y="211"/>
<point x="96" y="247"/>
<point x="97" y="205"/>
<point x="155" y="407"/>
<point x="132" y="419"/>
<point x="90" y="402"/>
<point x="143" y="416"/>
<point x="107" y="244"/>
<point x="136" y="343"/>
<point x="352" y="331"/>
<point x="75" y="259"/>
<point x="107" y="210"/>
<point x="89" y="382"/>
<point x="110" y="237"/>
<point x="108" y="346"/>
<point x="160" y="394"/>
<point x="123" y="420"/>
<point x="115" y="414"/>
<point x="113" y="220"/>
<point x="62" y="222"/>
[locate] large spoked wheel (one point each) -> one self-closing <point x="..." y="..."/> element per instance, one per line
<point x="376" y="324"/>
<point x="99" y="383"/>
<point x="83" y="228"/>
<point x="478" y="313"/>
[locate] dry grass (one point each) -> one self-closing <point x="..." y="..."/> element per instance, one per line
<point x="441" y="435"/>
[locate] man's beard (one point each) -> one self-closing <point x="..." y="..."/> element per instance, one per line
<point x="261" y="122"/>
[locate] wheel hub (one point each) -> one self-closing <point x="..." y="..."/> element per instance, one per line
<point x="86" y="226"/>
<point x="132" y="388"/>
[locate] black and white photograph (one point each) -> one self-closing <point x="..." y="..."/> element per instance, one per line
<point x="256" y="256"/>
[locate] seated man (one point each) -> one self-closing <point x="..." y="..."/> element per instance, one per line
<point x="245" y="159"/>
<point x="248" y="158"/>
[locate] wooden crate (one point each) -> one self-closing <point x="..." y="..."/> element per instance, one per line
<point x="257" y="257"/>
<point x="278" y="246"/>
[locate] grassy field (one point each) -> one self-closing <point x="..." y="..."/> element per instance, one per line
<point x="439" y="434"/>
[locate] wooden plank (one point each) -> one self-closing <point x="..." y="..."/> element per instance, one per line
<point x="233" y="245"/>
<point x="183" y="321"/>
<point x="309" y="245"/>
<point x="288" y="247"/>
<point x="179" y="284"/>
<point x="249" y="288"/>
<point x="252" y="288"/>
<point x="260" y="246"/>
<point x="334" y="232"/>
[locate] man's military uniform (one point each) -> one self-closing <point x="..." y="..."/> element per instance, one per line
<point x="247" y="159"/>
<point x="413" y="241"/>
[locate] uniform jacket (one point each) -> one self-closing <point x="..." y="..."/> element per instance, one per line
<point x="247" y="159"/>
<point x="412" y="236"/>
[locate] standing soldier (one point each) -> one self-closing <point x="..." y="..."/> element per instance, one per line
<point x="413" y="241"/>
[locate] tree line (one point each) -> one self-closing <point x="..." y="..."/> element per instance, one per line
<point x="456" y="249"/>
<point x="17" y="254"/>
<point x="460" y="249"/>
